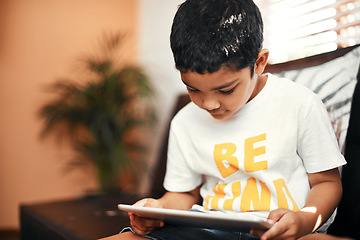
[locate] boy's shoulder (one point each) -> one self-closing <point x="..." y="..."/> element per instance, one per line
<point x="289" y="88"/>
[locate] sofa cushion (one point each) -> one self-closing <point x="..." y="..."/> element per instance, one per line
<point x="334" y="81"/>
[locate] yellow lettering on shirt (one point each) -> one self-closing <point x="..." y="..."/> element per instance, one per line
<point x="219" y="192"/>
<point x="281" y="197"/>
<point x="224" y="159"/>
<point x="250" y="153"/>
<point x="207" y="200"/>
<point x="251" y="195"/>
<point x="236" y="191"/>
<point x="251" y="200"/>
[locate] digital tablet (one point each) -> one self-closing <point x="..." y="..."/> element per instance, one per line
<point x="198" y="219"/>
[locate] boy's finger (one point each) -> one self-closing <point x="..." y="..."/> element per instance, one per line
<point x="140" y="228"/>
<point x="152" y="203"/>
<point x="275" y="215"/>
<point x="140" y="232"/>
<point x="145" y="222"/>
<point x="275" y="230"/>
<point x="150" y="223"/>
<point x="257" y="233"/>
<point x="144" y="226"/>
<point x="141" y="202"/>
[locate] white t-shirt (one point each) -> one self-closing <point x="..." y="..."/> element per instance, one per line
<point x="258" y="159"/>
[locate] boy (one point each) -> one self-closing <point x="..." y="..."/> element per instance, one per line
<point x="249" y="143"/>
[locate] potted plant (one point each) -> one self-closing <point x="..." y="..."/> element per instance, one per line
<point x="97" y="115"/>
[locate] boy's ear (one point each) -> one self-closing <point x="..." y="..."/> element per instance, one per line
<point x="261" y="61"/>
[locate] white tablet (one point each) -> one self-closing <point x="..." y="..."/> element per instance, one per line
<point x="198" y="219"/>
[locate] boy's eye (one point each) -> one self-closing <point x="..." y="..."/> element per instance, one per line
<point x="227" y="92"/>
<point x="192" y="89"/>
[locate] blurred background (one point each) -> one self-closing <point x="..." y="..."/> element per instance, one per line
<point x="40" y="42"/>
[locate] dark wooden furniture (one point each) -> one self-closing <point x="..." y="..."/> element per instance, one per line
<point x="87" y="218"/>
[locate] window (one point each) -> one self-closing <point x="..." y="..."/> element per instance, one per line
<point x="295" y="29"/>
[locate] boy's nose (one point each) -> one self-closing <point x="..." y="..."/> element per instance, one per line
<point x="210" y="104"/>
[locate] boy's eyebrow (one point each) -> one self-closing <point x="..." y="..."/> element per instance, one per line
<point x="217" y="88"/>
<point x="226" y="85"/>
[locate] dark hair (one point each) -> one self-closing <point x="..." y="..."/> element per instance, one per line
<point x="209" y="34"/>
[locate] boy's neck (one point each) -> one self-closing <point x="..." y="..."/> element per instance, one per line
<point x="260" y="84"/>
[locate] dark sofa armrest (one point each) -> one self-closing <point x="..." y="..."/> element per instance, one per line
<point x="347" y="221"/>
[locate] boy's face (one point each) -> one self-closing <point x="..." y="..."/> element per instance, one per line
<point x="223" y="92"/>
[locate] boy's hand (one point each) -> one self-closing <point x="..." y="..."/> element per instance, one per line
<point x="170" y="200"/>
<point x="141" y="225"/>
<point x="286" y="225"/>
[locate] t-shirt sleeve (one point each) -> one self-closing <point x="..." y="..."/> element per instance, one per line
<point x="317" y="144"/>
<point x="180" y="169"/>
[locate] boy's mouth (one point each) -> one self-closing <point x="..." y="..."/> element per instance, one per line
<point x="215" y="113"/>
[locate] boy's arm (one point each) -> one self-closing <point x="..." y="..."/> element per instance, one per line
<point x="324" y="196"/>
<point x="180" y="200"/>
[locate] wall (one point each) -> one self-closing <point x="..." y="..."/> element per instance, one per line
<point x="40" y="42"/>
<point x="155" y="56"/>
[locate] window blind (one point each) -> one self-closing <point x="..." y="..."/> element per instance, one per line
<point x="295" y="29"/>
